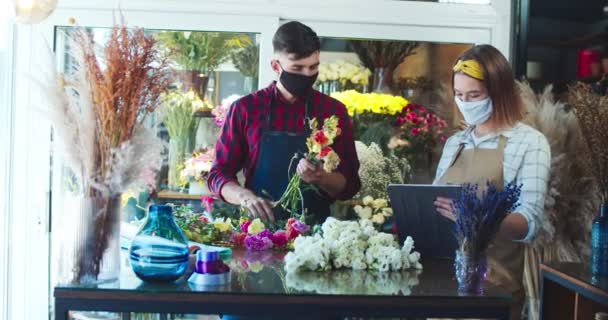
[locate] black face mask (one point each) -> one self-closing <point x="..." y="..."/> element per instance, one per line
<point x="297" y="84"/>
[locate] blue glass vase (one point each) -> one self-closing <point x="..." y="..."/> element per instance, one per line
<point x="159" y="251"/>
<point x="599" y="243"/>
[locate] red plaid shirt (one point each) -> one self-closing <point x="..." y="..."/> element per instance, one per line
<point x="238" y="144"/>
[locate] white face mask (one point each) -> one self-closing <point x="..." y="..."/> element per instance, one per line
<point x="475" y="112"/>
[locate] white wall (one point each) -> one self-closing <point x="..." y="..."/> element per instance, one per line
<point x="29" y="153"/>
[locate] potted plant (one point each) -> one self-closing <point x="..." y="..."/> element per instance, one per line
<point x="197" y="54"/>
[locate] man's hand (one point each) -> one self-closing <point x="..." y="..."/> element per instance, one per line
<point x="444" y="207"/>
<point x="258" y="207"/>
<point x="309" y="172"/>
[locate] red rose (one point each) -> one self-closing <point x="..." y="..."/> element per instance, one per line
<point x="239" y="239"/>
<point x="415" y="131"/>
<point x="415" y="120"/>
<point x="399" y="122"/>
<point x="325" y="151"/>
<point x="320" y="138"/>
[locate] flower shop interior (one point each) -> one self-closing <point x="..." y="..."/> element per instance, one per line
<point x="113" y="117"/>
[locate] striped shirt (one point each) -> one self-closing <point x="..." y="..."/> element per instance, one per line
<point x="527" y="160"/>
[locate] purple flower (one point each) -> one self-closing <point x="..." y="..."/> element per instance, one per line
<point x="245" y="226"/>
<point x="265" y="234"/>
<point x="257" y="243"/>
<point x="300" y="227"/>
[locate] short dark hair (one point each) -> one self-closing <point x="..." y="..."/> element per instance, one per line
<point x="296" y="38"/>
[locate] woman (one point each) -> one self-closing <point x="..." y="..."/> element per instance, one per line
<point x="497" y="147"/>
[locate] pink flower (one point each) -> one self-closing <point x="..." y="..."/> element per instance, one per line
<point x="245" y="226"/>
<point x="399" y="122"/>
<point x="208" y="203"/>
<point x="415" y="131"/>
<point x="279" y="239"/>
<point x="257" y="243"/>
<point x="203" y="219"/>
<point x="415" y="120"/>
<point x="300" y="227"/>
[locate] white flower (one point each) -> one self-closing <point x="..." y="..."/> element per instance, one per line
<point x="368" y="200"/>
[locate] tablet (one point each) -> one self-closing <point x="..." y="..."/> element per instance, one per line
<point x="416" y="216"/>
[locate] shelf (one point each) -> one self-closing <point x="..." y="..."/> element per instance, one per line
<point x="579" y="42"/>
<point x="168" y="194"/>
<point x="203" y="114"/>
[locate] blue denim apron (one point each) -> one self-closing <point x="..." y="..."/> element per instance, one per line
<point x="276" y="163"/>
<point x="270" y="177"/>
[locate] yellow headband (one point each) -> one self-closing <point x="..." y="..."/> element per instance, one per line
<point x="471" y="68"/>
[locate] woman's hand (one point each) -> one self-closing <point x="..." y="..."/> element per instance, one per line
<point x="445" y="207"/>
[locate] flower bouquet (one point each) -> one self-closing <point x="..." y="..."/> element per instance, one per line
<point x="344" y="73"/>
<point x="255" y="236"/>
<point x="177" y="114"/>
<point x="351" y="245"/>
<point x="478" y="219"/>
<point x="320" y="152"/>
<point x="373" y="115"/>
<point x="201" y="228"/>
<point x="98" y="111"/>
<point x="221" y="111"/>
<point x="196" y="170"/>
<point x="417" y="131"/>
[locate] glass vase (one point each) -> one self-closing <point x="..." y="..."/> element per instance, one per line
<point x="381" y="80"/>
<point x="88" y="250"/>
<point x="471" y="271"/>
<point x="599" y="243"/>
<point x="177" y="157"/>
<point x="159" y="251"/>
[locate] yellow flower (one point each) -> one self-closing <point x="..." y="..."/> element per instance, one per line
<point x="387" y="212"/>
<point x="256" y="227"/>
<point x="357" y="103"/>
<point x="379" y="203"/>
<point x="222" y="225"/>
<point x="256" y="267"/>
<point x="330" y="127"/>
<point x="368" y="200"/>
<point x="378" y="219"/>
<point x="331" y="161"/>
<point x="125" y="196"/>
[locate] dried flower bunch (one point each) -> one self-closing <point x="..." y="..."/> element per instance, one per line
<point x="591" y="111"/>
<point x="97" y="111"/>
<point x="478" y="216"/>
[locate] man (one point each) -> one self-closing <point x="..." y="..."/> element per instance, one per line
<point x="264" y="130"/>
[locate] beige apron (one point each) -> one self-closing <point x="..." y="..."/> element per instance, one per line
<point x="505" y="257"/>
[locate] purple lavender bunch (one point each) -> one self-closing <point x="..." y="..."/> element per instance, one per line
<point x="478" y="219"/>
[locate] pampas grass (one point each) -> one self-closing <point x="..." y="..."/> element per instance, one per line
<point x="97" y="110"/>
<point x="591" y="111"/>
<point x="572" y="198"/>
